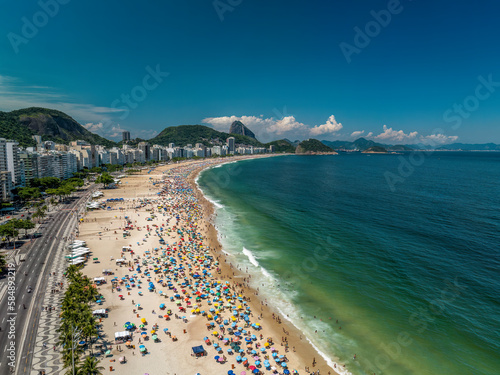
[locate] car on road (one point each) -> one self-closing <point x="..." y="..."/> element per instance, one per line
<point x="29" y="289"/>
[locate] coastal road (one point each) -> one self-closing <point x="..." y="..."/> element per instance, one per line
<point x="34" y="272"/>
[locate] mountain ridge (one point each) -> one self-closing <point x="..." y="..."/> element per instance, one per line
<point x="53" y="125"/>
<point x="237" y="127"/>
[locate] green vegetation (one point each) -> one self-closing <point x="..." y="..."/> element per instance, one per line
<point x="25" y="224"/>
<point x="281" y="145"/>
<point x="191" y="134"/>
<point x="8" y="232"/>
<point x="78" y="324"/>
<point x="51" y="124"/>
<point x="376" y="149"/>
<point x="312" y="145"/>
<point x="105" y="179"/>
<point x="113" y="167"/>
<point x="45" y="183"/>
<point x="27" y="194"/>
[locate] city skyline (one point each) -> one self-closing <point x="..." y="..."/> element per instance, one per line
<point x="390" y="71"/>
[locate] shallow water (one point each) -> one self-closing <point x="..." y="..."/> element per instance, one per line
<point x="412" y="276"/>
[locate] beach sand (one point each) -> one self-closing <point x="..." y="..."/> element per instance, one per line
<point x="102" y="230"/>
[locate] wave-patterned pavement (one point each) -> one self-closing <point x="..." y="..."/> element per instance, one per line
<point x="45" y="358"/>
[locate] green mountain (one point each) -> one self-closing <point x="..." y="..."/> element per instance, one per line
<point x="363" y="144"/>
<point x="312" y="146"/>
<point x="52" y="125"/>
<point x="282" y="145"/>
<point x="237" y="127"/>
<point x="191" y="134"/>
<point x="375" y="149"/>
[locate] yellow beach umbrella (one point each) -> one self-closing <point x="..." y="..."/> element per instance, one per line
<point x="215" y="333"/>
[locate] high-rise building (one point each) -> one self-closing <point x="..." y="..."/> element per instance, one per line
<point x="14" y="164"/>
<point x="5" y="175"/>
<point x="126" y="136"/>
<point x="230" y="145"/>
<point x="145" y="148"/>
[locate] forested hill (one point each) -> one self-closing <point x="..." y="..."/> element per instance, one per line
<point x="52" y="125"/>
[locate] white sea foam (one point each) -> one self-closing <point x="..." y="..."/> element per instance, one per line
<point x="272" y="291"/>
<point x="266" y="273"/>
<point x="334" y="365"/>
<point x="251" y="257"/>
<point x="214" y="202"/>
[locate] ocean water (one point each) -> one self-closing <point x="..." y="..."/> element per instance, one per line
<point x="411" y="274"/>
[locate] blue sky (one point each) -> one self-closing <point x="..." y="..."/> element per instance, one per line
<point x="393" y="71"/>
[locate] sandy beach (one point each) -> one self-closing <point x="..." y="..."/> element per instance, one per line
<point x="175" y="280"/>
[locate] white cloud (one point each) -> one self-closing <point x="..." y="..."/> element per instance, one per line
<point x="396" y="135"/>
<point x="438" y="139"/>
<point x="399" y="136"/>
<point x="286" y="124"/>
<point x="91" y="127"/>
<point x="331" y="126"/>
<point x="357" y="133"/>
<point x="267" y="129"/>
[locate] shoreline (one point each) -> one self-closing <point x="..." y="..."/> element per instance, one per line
<point x="306" y="348"/>
<point x="141" y="198"/>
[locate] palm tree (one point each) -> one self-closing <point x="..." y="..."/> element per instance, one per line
<point x="91" y="367"/>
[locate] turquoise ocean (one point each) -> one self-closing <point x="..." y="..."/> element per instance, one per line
<point x="411" y="273"/>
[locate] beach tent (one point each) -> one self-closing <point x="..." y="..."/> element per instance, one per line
<point x="198" y="351"/>
<point x="100" y="312"/>
<point x="77" y="260"/>
<point x="99" y="280"/>
<point x="120" y="260"/>
<point x="125" y="335"/>
<point x="76" y="245"/>
<point x="73" y="256"/>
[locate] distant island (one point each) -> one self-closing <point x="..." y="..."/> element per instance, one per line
<point x="313" y="147"/>
<point x="375" y="150"/>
